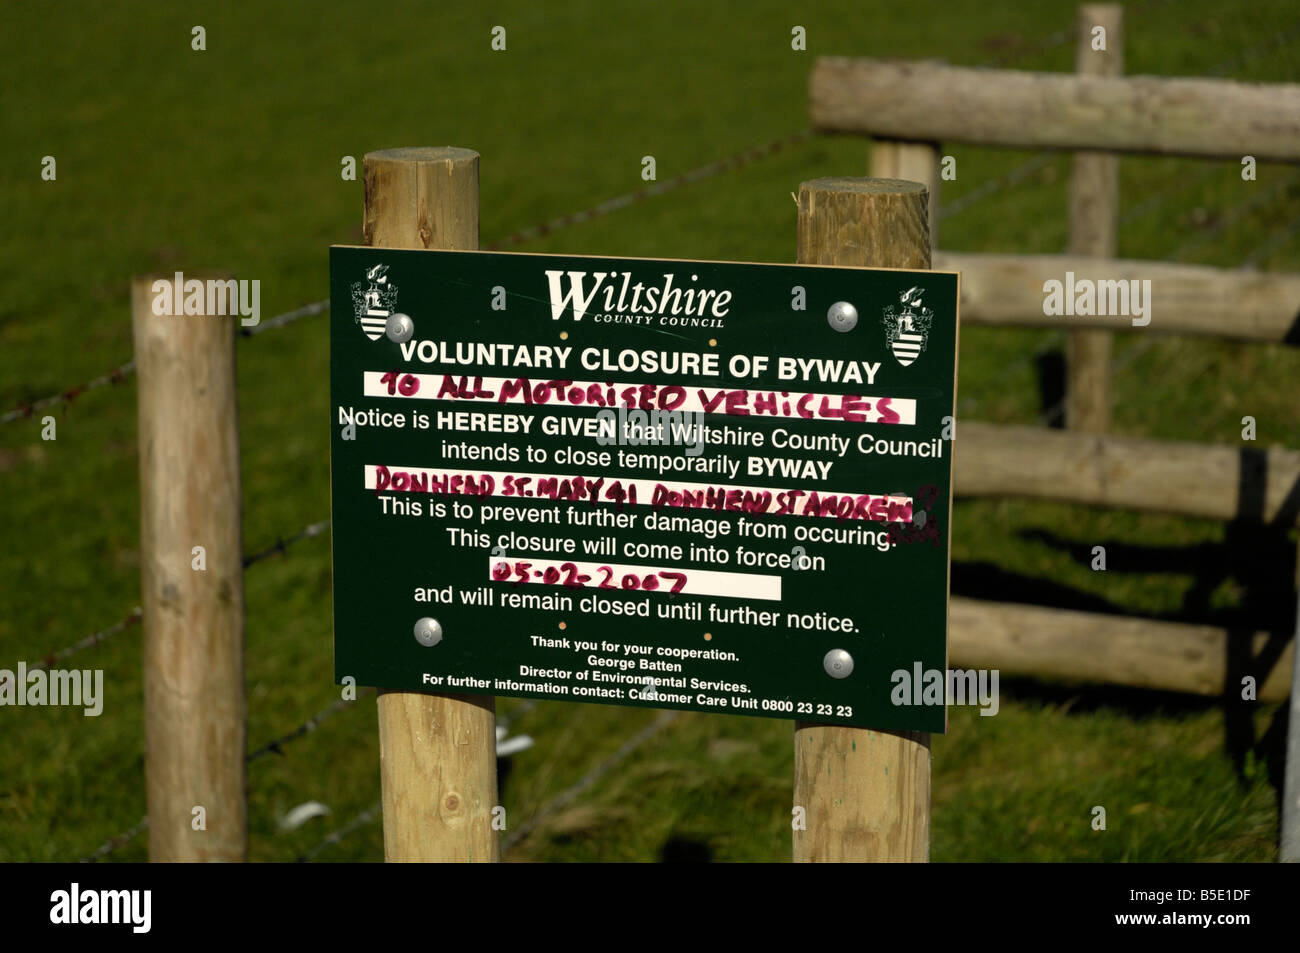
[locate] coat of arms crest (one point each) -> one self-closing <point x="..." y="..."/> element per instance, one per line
<point x="907" y="326"/>
<point x="373" y="300"/>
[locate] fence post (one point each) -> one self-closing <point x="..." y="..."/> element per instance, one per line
<point x="915" y="162"/>
<point x="437" y="752"/>
<point x="865" y="793"/>
<point x="193" y="599"/>
<point x="1094" y="224"/>
<point x="1289" y="841"/>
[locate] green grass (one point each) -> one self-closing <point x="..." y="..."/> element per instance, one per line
<point x="229" y="158"/>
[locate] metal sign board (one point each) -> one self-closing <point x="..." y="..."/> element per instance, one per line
<point x="674" y="484"/>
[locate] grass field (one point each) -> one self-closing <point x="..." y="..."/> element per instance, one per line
<point x="168" y="158"/>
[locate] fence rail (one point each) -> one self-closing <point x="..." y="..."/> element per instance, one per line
<point x="1163" y="476"/>
<point x="999" y="289"/>
<point x="1034" y="641"/>
<point x="932" y="102"/>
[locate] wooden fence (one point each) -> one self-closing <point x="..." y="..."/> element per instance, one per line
<point x="909" y="108"/>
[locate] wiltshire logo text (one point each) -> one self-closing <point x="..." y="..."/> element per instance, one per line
<point x="626" y="301"/>
<point x="133" y="907"/>
<point x="215" y="296"/>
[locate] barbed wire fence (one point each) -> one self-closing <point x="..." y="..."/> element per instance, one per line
<point x="277" y="746"/>
<point x="1270" y="243"/>
<point x="368" y="816"/>
<point x="373" y="812"/>
<point x="589" y="780"/>
<point x="739" y="160"/>
<point x="606" y="207"/>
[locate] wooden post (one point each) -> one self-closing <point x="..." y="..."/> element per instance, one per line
<point x="865" y="794"/>
<point x="193" y="600"/>
<point x="1094" y="224"/>
<point x="437" y="752"/>
<point x="914" y="162"/>
<point x="1289" y="841"/>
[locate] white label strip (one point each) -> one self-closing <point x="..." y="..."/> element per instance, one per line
<point x="735" y="401"/>
<point x="699" y="582"/>
<point x="676" y="494"/>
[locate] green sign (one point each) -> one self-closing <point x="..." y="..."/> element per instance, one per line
<point x="673" y="484"/>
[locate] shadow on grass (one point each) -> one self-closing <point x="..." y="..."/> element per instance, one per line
<point x="1259" y="559"/>
<point x="685" y="850"/>
<point x="1050" y="369"/>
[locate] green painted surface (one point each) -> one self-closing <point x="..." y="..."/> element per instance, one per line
<point x="788" y="479"/>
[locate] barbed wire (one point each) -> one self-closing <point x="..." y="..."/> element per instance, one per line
<point x="1133" y="353"/>
<point x="113" y="843"/>
<point x="998" y="184"/>
<point x="796" y="138"/>
<point x="1130" y="355"/>
<point x="1055" y="39"/>
<point x="281" y="545"/>
<point x="1279" y="238"/>
<point x="1041" y="159"/>
<point x="280" y="320"/>
<point x="567" y="796"/>
<point x="368" y="816"/>
<point x="23" y="411"/>
<point x="1281" y="38"/>
<point x="1233" y="215"/>
<point x="526" y="706"/>
<point x="698" y="174"/>
<point x="618" y="202"/>
<point x="1137" y="350"/>
<point x="134" y="616"/>
<point x="119" y="374"/>
<point x="1145" y="208"/>
<point x="375" y="811"/>
<point x="690" y="177"/>
<point x="1059" y="37"/>
<point x="276" y="745"/>
<point x="95" y="638"/>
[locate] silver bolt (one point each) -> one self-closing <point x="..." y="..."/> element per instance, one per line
<point x="428" y="632"/>
<point x="838" y="663"/>
<point x="399" y="328"/>
<point x="842" y="316"/>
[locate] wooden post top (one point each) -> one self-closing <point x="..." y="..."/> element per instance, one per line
<point x="423" y="154"/>
<point x="864" y="186"/>
<point x="882" y="223"/>
<point x="421" y="197"/>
